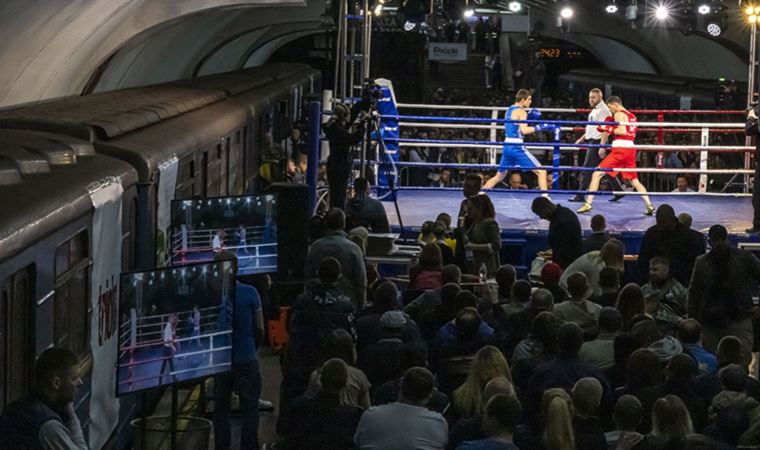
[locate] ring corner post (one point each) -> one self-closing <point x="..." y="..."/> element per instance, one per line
<point x="556" y="158"/>
<point x="315" y="131"/>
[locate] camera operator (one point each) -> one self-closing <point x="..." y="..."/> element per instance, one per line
<point x="338" y="131"/>
<point x="751" y="129"/>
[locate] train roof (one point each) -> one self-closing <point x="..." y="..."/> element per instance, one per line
<point x="45" y="182"/>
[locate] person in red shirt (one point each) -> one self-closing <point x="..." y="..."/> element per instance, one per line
<point x="622" y="156"/>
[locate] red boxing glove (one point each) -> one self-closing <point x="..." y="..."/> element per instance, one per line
<point x="607" y="128"/>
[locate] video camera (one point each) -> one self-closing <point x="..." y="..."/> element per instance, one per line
<point x="371" y="92"/>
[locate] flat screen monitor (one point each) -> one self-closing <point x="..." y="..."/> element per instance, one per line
<point x="245" y="226"/>
<point x="175" y="325"/>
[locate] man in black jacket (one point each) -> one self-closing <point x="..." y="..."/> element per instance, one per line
<point x="670" y="239"/>
<point x="751" y="129"/>
<point x="565" y="237"/>
<point x="341" y="138"/>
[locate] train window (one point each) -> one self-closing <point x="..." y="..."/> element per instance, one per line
<point x="192" y="169"/>
<point x="72" y="308"/>
<point x="237" y="137"/>
<point x="219" y="151"/>
<point x="16" y="351"/>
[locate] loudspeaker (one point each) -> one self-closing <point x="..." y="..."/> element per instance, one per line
<point x="292" y="229"/>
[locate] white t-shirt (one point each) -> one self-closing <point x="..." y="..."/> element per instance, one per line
<point x="598" y="114"/>
<point x="216" y="243"/>
<point x="168" y="335"/>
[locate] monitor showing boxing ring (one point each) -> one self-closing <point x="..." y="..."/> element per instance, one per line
<point x="245" y="226"/>
<point x="175" y="325"/>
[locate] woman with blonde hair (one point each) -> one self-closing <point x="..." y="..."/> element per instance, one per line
<point x="558" y="419"/>
<point x="592" y="263"/>
<point x="671" y="423"/>
<point x="488" y="364"/>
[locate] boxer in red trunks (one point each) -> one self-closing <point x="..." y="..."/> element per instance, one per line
<point x="622" y="156"/>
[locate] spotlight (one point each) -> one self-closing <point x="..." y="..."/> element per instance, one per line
<point x="704" y="9"/>
<point x="714" y="29"/>
<point x="515" y="6"/>
<point x="611" y="8"/>
<point x="566" y="12"/>
<point x="752" y="19"/>
<point x="750" y="10"/>
<point x="378" y="9"/>
<point x="409" y="26"/>
<point x="469" y="13"/>
<point x="661" y="12"/>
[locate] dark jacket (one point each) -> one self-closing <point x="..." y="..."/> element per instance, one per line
<point x="563" y="372"/>
<point x="565" y="237"/>
<point x="21" y="421"/>
<point x="367" y="212"/>
<point x="595" y="241"/>
<point x="678" y="245"/>
<point x="341" y="140"/>
<point x="319" y="423"/>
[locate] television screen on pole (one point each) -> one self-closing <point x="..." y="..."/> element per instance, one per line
<point x="245" y="226"/>
<point x="175" y="325"/>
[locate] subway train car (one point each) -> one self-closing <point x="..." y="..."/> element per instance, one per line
<point x="71" y="167"/>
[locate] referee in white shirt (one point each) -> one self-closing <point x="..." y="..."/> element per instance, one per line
<point x="594" y="155"/>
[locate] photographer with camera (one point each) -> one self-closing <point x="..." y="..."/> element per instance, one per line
<point x="751" y="129"/>
<point x="338" y="131"/>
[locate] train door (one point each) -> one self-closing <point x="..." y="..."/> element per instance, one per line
<point x="186" y="181"/>
<point x="204" y="175"/>
<point x="16" y="346"/>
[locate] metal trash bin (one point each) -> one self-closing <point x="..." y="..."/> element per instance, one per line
<point x="193" y="433"/>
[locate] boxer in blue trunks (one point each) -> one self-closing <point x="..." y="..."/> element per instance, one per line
<point x="514" y="153"/>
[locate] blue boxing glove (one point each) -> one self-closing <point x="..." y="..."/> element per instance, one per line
<point x="550" y="127"/>
<point x="534" y="114"/>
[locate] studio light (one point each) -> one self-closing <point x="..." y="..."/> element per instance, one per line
<point x="469" y="13"/>
<point x="409" y="26"/>
<point x="611" y="7"/>
<point x="566" y="12"/>
<point x="515" y="6"/>
<point x="661" y="12"/>
<point x="704" y="9"/>
<point x="378" y="9"/>
<point x="714" y="29"/>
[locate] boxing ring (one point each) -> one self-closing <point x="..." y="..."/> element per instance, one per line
<point x="523" y="233"/>
<point x="256" y="251"/>
<point x="143" y="364"/>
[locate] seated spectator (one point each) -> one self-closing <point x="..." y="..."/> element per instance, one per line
<point x="45" y="418"/>
<point x="541" y="339"/>
<point x="321" y="422"/>
<point x="601" y="351"/>
<point x="445" y="219"/>
<point x="579" y="310"/>
<point x="643" y="375"/>
<point x="336" y="244"/>
<point x="322" y="308"/>
<point x="664" y="297"/>
<point x="363" y="210"/>
<point x="626" y="417"/>
<point x="358" y="236"/>
<point x="488" y="364"/>
<point x="339" y="344"/>
<point x="670" y="424"/>
<point x="587" y="427"/>
<point x="519" y="298"/>
<point x="505" y="276"/>
<point x="609" y="284"/>
<point x="464" y="336"/>
<point x="516" y="181"/>
<point x="431" y="299"/>
<point x="630" y="303"/>
<point x="558" y="431"/>
<point x="440" y="231"/>
<point x="734" y="380"/>
<point x="500" y="419"/>
<point x="426" y="274"/>
<point x="412" y="355"/>
<point x="511" y="330"/>
<point x="590" y="264"/>
<point x="470" y="428"/>
<point x="689" y="332"/>
<point x="444" y="179"/>
<point x="682" y="184"/>
<point x="368" y="328"/>
<point x="293" y="173"/>
<point x="598" y="236"/>
<point x="426" y="233"/>
<point x="407" y="422"/>
<point x="565" y="369"/>
<point x="550" y="276"/>
<point x="679" y="373"/>
<point x="664" y="346"/>
<point x="624" y="346"/>
<point x="729" y="352"/>
<point x="381" y="361"/>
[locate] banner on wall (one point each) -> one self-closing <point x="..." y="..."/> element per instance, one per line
<point x="106" y="252"/>
<point x="445" y="51"/>
<point x="167" y="185"/>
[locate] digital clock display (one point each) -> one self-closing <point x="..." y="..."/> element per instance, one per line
<point x="550" y="52"/>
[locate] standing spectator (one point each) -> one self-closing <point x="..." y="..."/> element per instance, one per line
<point x="340" y="161"/>
<point x="336" y="244"/>
<point x="473" y="183"/>
<point x="578" y="309"/>
<point x="565" y="238"/>
<point x="482" y="241"/>
<point x="592" y="263"/>
<point x="598" y="234"/>
<point x="751" y="128"/>
<point x="407" y="423"/>
<point x="488" y="70"/>
<point x="248" y="332"/>
<point x="45" y="418"/>
<point x="322" y="422"/>
<point x="670" y="239"/>
<point x="601" y="351"/>
<point x="697" y="237"/>
<point x="294" y="145"/>
<point x="501" y="416"/>
<point x="664" y="297"/>
<point x="363" y="210"/>
<point x="720" y="294"/>
<point x="689" y="333"/>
